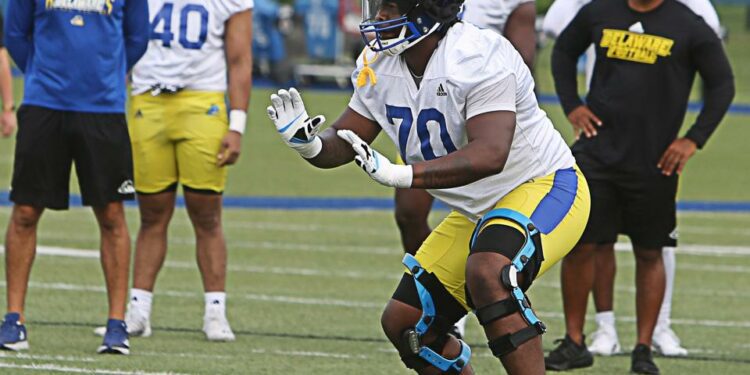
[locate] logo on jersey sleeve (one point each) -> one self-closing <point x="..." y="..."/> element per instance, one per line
<point x="635" y="46"/>
<point x="93" y="6"/>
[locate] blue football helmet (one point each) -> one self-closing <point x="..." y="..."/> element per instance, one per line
<point x="418" y="19"/>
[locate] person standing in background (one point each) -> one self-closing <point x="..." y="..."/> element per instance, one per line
<point x="513" y="19"/>
<point x="75" y="55"/>
<point x="605" y="341"/>
<point x="183" y="134"/>
<point x="647" y="54"/>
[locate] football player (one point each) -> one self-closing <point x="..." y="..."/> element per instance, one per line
<point x="515" y="20"/>
<point x="459" y="104"/>
<point x="183" y="134"/>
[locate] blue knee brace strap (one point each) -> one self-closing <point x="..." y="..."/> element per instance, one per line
<point x="455" y="365"/>
<point x="518" y="301"/>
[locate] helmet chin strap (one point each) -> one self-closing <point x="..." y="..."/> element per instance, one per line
<point x="399" y="49"/>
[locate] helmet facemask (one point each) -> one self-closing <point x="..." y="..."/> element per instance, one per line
<point x="412" y="26"/>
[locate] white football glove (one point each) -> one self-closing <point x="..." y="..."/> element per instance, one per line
<point x="376" y="165"/>
<point x="297" y="129"/>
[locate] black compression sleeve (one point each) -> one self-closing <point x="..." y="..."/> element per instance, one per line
<point x="571" y="43"/>
<point x="712" y="63"/>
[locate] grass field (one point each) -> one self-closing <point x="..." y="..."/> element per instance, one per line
<point x="306" y="288"/>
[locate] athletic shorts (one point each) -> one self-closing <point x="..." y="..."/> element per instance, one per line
<point x="558" y="204"/>
<point x="176" y="139"/>
<point x="641" y="207"/>
<point x="50" y="141"/>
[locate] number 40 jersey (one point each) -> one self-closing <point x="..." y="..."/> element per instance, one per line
<point x="471" y="72"/>
<point x="187" y="45"/>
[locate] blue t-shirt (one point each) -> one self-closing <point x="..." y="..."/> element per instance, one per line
<point x="76" y="53"/>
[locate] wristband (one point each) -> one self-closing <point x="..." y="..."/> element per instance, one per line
<point x="311" y="149"/>
<point x="237" y="120"/>
<point x="403" y="176"/>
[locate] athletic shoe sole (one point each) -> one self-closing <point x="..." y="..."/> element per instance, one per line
<point x="570" y="365"/>
<point x="101" y="331"/>
<point x="16" y="346"/>
<point x="104" y="349"/>
<point x="225" y="338"/>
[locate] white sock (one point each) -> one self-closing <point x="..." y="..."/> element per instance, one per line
<point x="605" y="318"/>
<point x="670" y="263"/>
<point x="461" y="325"/>
<point x="216" y="302"/>
<point x="141" y="300"/>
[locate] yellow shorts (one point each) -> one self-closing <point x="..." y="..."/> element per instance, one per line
<point x="558" y="205"/>
<point x="176" y="138"/>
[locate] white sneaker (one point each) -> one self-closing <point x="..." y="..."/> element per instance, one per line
<point x="605" y="341"/>
<point x="139" y="323"/>
<point x="216" y="327"/>
<point x="666" y="342"/>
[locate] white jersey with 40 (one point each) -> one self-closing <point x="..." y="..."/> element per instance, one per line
<point x="187" y="45"/>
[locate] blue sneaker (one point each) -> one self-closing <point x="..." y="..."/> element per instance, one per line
<point x="13" y="333"/>
<point x="116" y="339"/>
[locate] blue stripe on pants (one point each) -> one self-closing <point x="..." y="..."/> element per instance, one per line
<point x="556" y="204"/>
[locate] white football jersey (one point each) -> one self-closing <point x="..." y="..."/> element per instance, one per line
<point x="491" y="14"/>
<point x="472" y="71"/>
<point x="186" y="49"/>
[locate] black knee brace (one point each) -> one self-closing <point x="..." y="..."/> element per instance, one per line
<point x="529" y="254"/>
<point x="420" y="355"/>
<point x="411" y="359"/>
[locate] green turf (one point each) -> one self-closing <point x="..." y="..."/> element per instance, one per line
<point x="307" y="288"/>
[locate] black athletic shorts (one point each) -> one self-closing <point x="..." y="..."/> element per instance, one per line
<point x="641" y="207"/>
<point x="47" y="143"/>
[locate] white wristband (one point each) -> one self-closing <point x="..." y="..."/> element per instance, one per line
<point x="237" y="120"/>
<point x="403" y="176"/>
<point x="311" y="149"/>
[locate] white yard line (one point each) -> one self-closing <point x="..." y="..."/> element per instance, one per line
<point x="698" y="249"/>
<point x="92" y="254"/>
<point x="688" y="293"/>
<point x="257" y="245"/>
<point x="703" y="250"/>
<point x="300" y="353"/>
<point x="348" y="303"/>
<point x="35" y="357"/>
<point x="76" y="370"/>
<point x="691" y="249"/>
<point x="712" y="230"/>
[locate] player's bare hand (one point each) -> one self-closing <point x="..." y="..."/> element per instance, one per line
<point x="584" y="121"/>
<point x="676" y="156"/>
<point x="8" y="123"/>
<point x="230" y="149"/>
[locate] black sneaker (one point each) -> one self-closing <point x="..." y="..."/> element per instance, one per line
<point x="568" y="355"/>
<point x="642" y="362"/>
